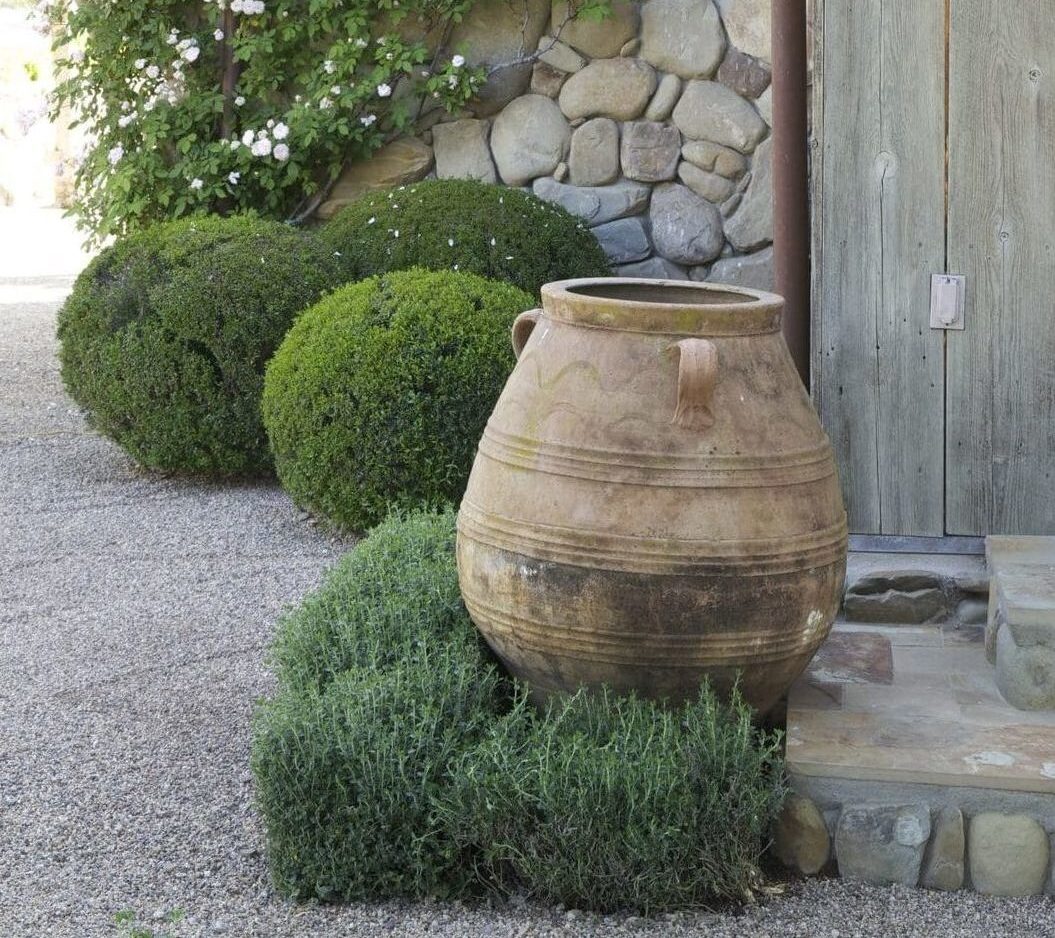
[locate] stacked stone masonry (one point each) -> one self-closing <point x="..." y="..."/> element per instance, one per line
<point x="651" y="124"/>
<point x="919" y="844"/>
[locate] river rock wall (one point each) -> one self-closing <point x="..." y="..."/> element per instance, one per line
<point x="653" y="125"/>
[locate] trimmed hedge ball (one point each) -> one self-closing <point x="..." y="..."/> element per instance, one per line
<point x="458" y="224"/>
<point x="166" y="334"/>
<point x="380" y="393"/>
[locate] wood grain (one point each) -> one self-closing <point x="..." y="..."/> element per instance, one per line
<point x="1001" y="369"/>
<point x="879" y="217"/>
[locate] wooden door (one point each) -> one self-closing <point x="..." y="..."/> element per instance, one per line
<point x="934" y="152"/>
<point x="1000" y="378"/>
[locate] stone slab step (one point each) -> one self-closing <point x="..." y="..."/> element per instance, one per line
<point x="1020" y="631"/>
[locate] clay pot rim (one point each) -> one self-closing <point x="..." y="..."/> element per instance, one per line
<point x="693" y="308"/>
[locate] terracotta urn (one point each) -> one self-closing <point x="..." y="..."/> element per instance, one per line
<point x="653" y="502"/>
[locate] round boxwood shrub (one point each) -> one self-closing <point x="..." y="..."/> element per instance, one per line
<point x="379" y="394"/>
<point x="166" y="334"/>
<point x="458" y="224"/>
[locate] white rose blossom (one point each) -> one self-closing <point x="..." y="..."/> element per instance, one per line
<point x="383" y="91"/>
<point x="458" y="61"/>
<point x="218" y="35"/>
<point x="153" y="71"/>
<point x="248" y="137"/>
<point x="329" y="67"/>
<point x="141" y="64"/>
<point x="261" y="147"/>
<point x="325" y="103"/>
<point x="280" y="131"/>
<point x="281" y="152"/>
<point x="191" y="53"/>
<point x="233" y="178"/>
<point x="115" y="154"/>
<point x="367" y="119"/>
<point x="196" y="183"/>
<point x="239" y="101"/>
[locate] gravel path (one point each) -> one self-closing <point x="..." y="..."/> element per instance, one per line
<point x="135" y="612"/>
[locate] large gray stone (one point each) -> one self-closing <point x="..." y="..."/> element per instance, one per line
<point x="559" y="55"/>
<point x="529" y="138"/>
<point x="402" y="161"/>
<point x="686" y="228"/>
<point x="707" y="110"/>
<point x="616" y="88"/>
<point x="1020" y="632"/>
<point x="547" y="80"/>
<point x="751" y="227"/>
<point x="943" y="865"/>
<point x="1008" y="854"/>
<point x="765" y="105"/>
<point x="599" y="39"/>
<point x="1025" y="673"/>
<point x="896" y="606"/>
<point x="595" y="205"/>
<point x="745" y="75"/>
<point x="748" y="24"/>
<point x="594" y="157"/>
<point x="715" y="158"/>
<point x="664" y="99"/>
<point x="882" y="844"/>
<point x="496" y="33"/>
<point x="650" y="151"/>
<point x="711" y="186"/>
<point x="462" y="152"/>
<point x="750" y="270"/>
<point x="624" y="240"/>
<point x="655" y="268"/>
<point x="684" y="37"/>
<point x="801" y="840"/>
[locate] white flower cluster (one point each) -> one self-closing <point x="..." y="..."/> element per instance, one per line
<point x="261" y="144"/>
<point x="248" y="7"/>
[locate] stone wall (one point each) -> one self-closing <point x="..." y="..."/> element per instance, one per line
<point x="652" y="124"/>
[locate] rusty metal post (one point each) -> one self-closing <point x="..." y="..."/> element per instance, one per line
<point x="791" y="213"/>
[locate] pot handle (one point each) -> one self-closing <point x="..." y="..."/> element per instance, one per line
<point x="697" y="376"/>
<point x="523" y="326"/>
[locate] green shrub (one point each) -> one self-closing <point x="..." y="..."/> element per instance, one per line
<point x="396" y="589"/>
<point x="458" y="224"/>
<point x="166" y="334"/>
<point x="353" y="755"/>
<point x="379" y="394"/>
<point x="609" y="803"/>
<point x="396" y="759"/>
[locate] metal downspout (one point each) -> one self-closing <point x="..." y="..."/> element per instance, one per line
<point x="791" y="214"/>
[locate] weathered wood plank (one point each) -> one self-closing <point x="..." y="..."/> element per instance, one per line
<point x="1001" y="369"/>
<point x="879" y="215"/>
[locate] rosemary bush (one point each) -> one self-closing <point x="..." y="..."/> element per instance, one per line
<point x="396" y="759"/>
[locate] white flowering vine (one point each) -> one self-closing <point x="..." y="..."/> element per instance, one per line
<point x="236" y="105"/>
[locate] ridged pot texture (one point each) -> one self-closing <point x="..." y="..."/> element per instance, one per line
<point x="654" y="502"/>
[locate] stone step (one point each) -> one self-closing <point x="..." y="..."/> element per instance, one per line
<point x="915" y="588"/>
<point x="1020" y="631"/>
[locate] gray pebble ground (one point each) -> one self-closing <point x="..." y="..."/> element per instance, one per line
<point x="134" y="615"/>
